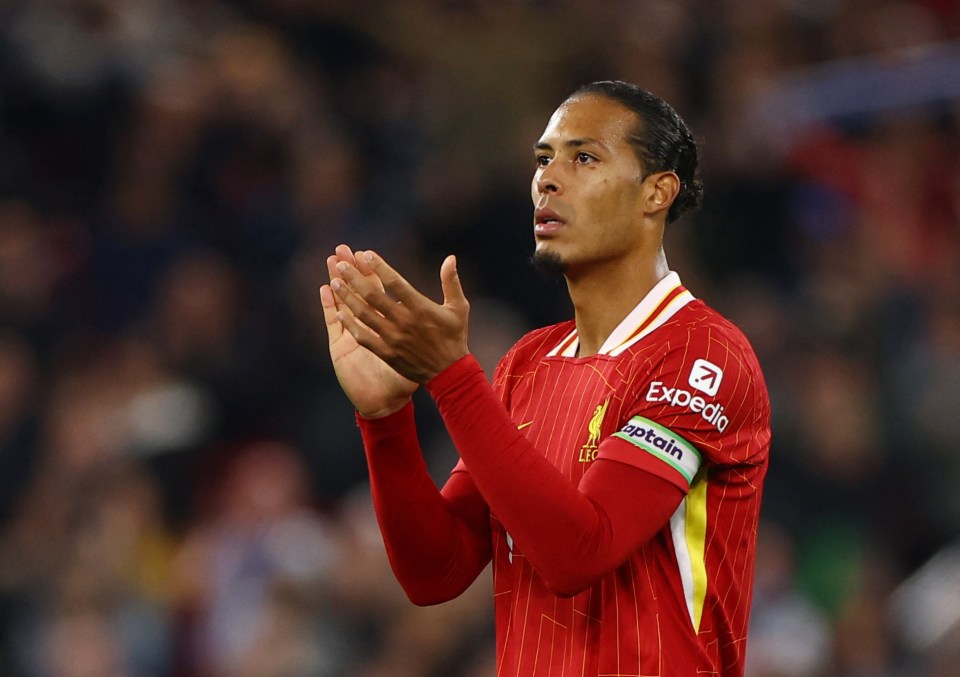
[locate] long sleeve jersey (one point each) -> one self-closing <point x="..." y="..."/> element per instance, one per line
<point x="617" y="494"/>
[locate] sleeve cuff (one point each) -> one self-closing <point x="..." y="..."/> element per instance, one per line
<point x="386" y="426"/>
<point x="454" y="376"/>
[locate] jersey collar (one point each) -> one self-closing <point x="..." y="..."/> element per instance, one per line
<point x="659" y="305"/>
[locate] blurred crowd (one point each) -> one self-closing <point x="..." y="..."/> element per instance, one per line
<point x="182" y="485"/>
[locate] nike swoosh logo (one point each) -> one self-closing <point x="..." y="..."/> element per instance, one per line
<point x="524" y="425"/>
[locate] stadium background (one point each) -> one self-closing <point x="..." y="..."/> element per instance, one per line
<point x="181" y="482"/>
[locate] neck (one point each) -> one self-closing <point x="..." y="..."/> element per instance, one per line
<point x="602" y="297"/>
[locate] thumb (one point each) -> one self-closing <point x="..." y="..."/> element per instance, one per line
<point x="453" y="295"/>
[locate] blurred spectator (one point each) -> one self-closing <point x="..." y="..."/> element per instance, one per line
<point x="18" y="401"/>
<point x="182" y="486"/>
<point x="789" y="636"/>
<point x="245" y="571"/>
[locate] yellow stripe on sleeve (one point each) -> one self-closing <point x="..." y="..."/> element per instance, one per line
<point x="696" y="538"/>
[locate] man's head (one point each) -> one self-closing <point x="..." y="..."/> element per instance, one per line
<point x="613" y="166"/>
<point x="662" y="140"/>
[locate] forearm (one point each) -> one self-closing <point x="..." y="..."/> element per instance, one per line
<point x="437" y="542"/>
<point x="572" y="534"/>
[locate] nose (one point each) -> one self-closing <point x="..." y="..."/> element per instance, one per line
<point x="547" y="180"/>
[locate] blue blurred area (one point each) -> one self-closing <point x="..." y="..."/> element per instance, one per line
<point x="182" y="485"/>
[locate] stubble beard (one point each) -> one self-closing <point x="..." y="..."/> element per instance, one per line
<point x="548" y="264"/>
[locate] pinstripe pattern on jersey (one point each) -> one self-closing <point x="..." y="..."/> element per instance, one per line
<point x="632" y="621"/>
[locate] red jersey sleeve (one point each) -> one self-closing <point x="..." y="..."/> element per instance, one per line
<point x="572" y="533"/>
<point x="437" y="541"/>
<point x="702" y="401"/>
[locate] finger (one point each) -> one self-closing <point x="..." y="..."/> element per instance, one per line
<point x="363" y="265"/>
<point x="362" y="333"/>
<point x="329" y="304"/>
<point x="345" y="254"/>
<point x="358" y="307"/>
<point x="341" y="253"/>
<point x="336" y="311"/>
<point x="369" y="288"/>
<point x="332" y="261"/>
<point x="393" y="281"/>
<point x="453" y="295"/>
<point x="360" y="261"/>
<point x="361" y="282"/>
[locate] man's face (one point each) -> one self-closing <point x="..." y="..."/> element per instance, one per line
<point x="587" y="190"/>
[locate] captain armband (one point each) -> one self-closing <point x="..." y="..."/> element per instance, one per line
<point x="662" y="443"/>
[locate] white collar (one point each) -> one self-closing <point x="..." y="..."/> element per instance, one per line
<point x="659" y="305"/>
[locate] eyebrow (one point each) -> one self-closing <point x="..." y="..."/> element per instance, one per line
<point x="572" y="143"/>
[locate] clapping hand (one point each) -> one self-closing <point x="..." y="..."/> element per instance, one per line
<point x="373" y="386"/>
<point x="385" y="337"/>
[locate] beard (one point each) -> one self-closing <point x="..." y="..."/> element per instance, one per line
<point x="548" y="264"/>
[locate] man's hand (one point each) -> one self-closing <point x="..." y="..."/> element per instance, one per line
<point x="375" y="389"/>
<point x="408" y="331"/>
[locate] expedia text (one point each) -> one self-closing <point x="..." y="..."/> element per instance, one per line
<point x="711" y="413"/>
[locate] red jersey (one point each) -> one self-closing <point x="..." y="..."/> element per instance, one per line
<point x="676" y="390"/>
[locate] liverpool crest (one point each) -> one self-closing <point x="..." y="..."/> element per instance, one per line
<point x="588" y="452"/>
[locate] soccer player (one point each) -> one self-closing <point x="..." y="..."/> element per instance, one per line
<point x="613" y="470"/>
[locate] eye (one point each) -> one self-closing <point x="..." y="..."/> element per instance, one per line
<point x="542" y="160"/>
<point x="585" y="158"/>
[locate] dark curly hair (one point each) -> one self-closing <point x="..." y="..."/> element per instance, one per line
<point x="662" y="140"/>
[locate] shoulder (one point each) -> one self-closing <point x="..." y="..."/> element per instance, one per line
<point x="700" y="372"/>
<point x="699" y="319"/>
<point x="698" y="332"/>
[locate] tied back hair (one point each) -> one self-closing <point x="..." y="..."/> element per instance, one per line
<point x="662" y="140"/>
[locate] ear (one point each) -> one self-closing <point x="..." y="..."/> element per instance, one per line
<point x="661" y="189"/>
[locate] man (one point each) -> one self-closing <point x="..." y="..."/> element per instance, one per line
<point x="613" y="471"/>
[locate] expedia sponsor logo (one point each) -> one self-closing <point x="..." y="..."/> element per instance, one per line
<point x="653" y="437"/>
<point x="706" y="377"/>
<point x="710" y="412"/>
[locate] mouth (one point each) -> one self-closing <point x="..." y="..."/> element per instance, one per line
<point x="547" y="222"/>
